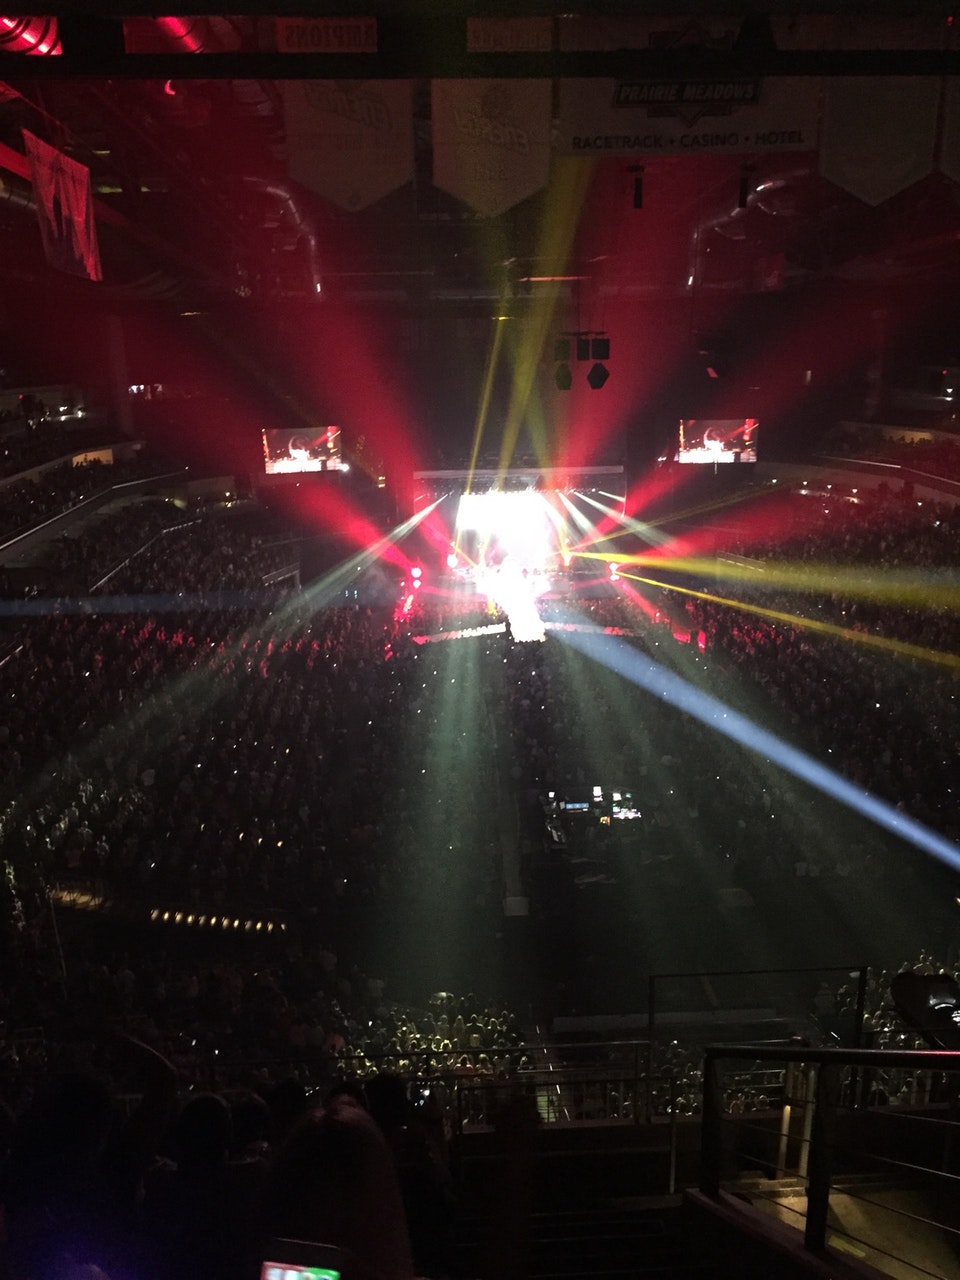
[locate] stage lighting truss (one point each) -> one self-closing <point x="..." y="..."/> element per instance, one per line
<point x="584" y="345"/>
<point x="597" y="377"/>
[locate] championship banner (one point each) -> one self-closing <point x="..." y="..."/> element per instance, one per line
<point x="491" y="141"/>
<point x="509" y="35"/>
<point x="351" y="141"/>
<point x="828" y="31"/>
<point x="688" y="117"/>
<point x="61" y="188"/>
<point x="606" y="33"/>
<point x="879" y="133"/>
<point x="887" y="31"/>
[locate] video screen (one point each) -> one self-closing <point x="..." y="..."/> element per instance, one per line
<point x="291" y="452"/>
<point x="718" y="440"/>
<point x="624" y="806"/>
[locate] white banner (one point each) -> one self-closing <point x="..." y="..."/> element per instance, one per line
<point x="879" y="133"/>
<point x="351" y="141"/>
<point x="491" y="141"/>
<point x="682" y="117"/>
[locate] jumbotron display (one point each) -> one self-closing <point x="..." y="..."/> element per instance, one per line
<point x="291" y="452"/>
<point x="717" y="440"/>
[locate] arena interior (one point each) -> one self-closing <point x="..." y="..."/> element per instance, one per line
<point x="479" y="624"/>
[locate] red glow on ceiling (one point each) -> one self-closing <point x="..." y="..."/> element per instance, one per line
<point x="180" y="30"/>
<point x="37" y="36"/>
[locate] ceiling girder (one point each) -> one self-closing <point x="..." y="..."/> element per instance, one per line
<point x="434" y="46"/>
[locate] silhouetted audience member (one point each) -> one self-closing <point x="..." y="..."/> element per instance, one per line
<point x="335" y="1182"/>
<point x="201" y="1214"/>
<point x="425" y="1183"/>
<point x="73" y="1177"/>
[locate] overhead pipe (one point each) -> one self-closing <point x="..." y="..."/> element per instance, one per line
<point x="202" y="35"/>
<point x="300" y="220"/>
<point x="38" y="36"/>
<point x="760" y="196"/>
<point x="21" y="197"/>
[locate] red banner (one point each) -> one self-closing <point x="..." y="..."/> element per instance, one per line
<point x="61" y="189"/>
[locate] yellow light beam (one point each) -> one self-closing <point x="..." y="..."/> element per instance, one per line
<point x="650" y="533"/>
<point x="570" y="184"/>
<point x="923" y="588"/>
<point x="483" y="409"/>
<point x="900" y="647"/>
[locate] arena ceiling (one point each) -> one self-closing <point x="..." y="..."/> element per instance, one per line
<point x="182" y="122"/>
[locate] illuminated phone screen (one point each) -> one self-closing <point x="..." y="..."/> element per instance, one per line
<point x="290" y="1271"/>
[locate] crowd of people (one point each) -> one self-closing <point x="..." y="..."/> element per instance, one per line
<point x="931" y="451"/>
<point x="344" y="773"/>
<point x="203" y="1188"/>
<point x="878" y="591"/>
<point x="27" y="503"/>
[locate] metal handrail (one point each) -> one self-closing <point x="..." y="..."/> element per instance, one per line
<point x="925" y="1059"/>
<point x="819" y="1145"/>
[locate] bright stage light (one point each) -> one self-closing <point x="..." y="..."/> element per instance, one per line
<point x="514" y="592"/>
<point x="452" y="560"/>
<point x="509" y="524"/>
<point x="416" y="572"/>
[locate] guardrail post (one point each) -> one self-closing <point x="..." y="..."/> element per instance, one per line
<point x="636" y="1083"/>
<point x="711" y="1129"/>
<point x="861" y="1007"/>
<point x="857" y="1098"/>
<point x="651" y="1023"/>
<point x="826" y="1099"/>
<point x="672" y="1180"/>
<point x="786" y="1116"/>
<point x="809" y="1086"/>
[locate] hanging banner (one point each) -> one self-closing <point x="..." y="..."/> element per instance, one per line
<point x="61" y="187"/>
<point x="879" y="133"/>
<point x="686" y="117"/>
<point x="326" y="35"/>
<point x="888" y="31"/>
<point x="509" y="35"/>
<point x="351" y="141"/>
<point x="606" y="33"/>
<point x="827" y="31"/>
<point x="491" y="141"/>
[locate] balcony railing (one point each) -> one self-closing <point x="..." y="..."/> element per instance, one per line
<point x="857" y="1148"/>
